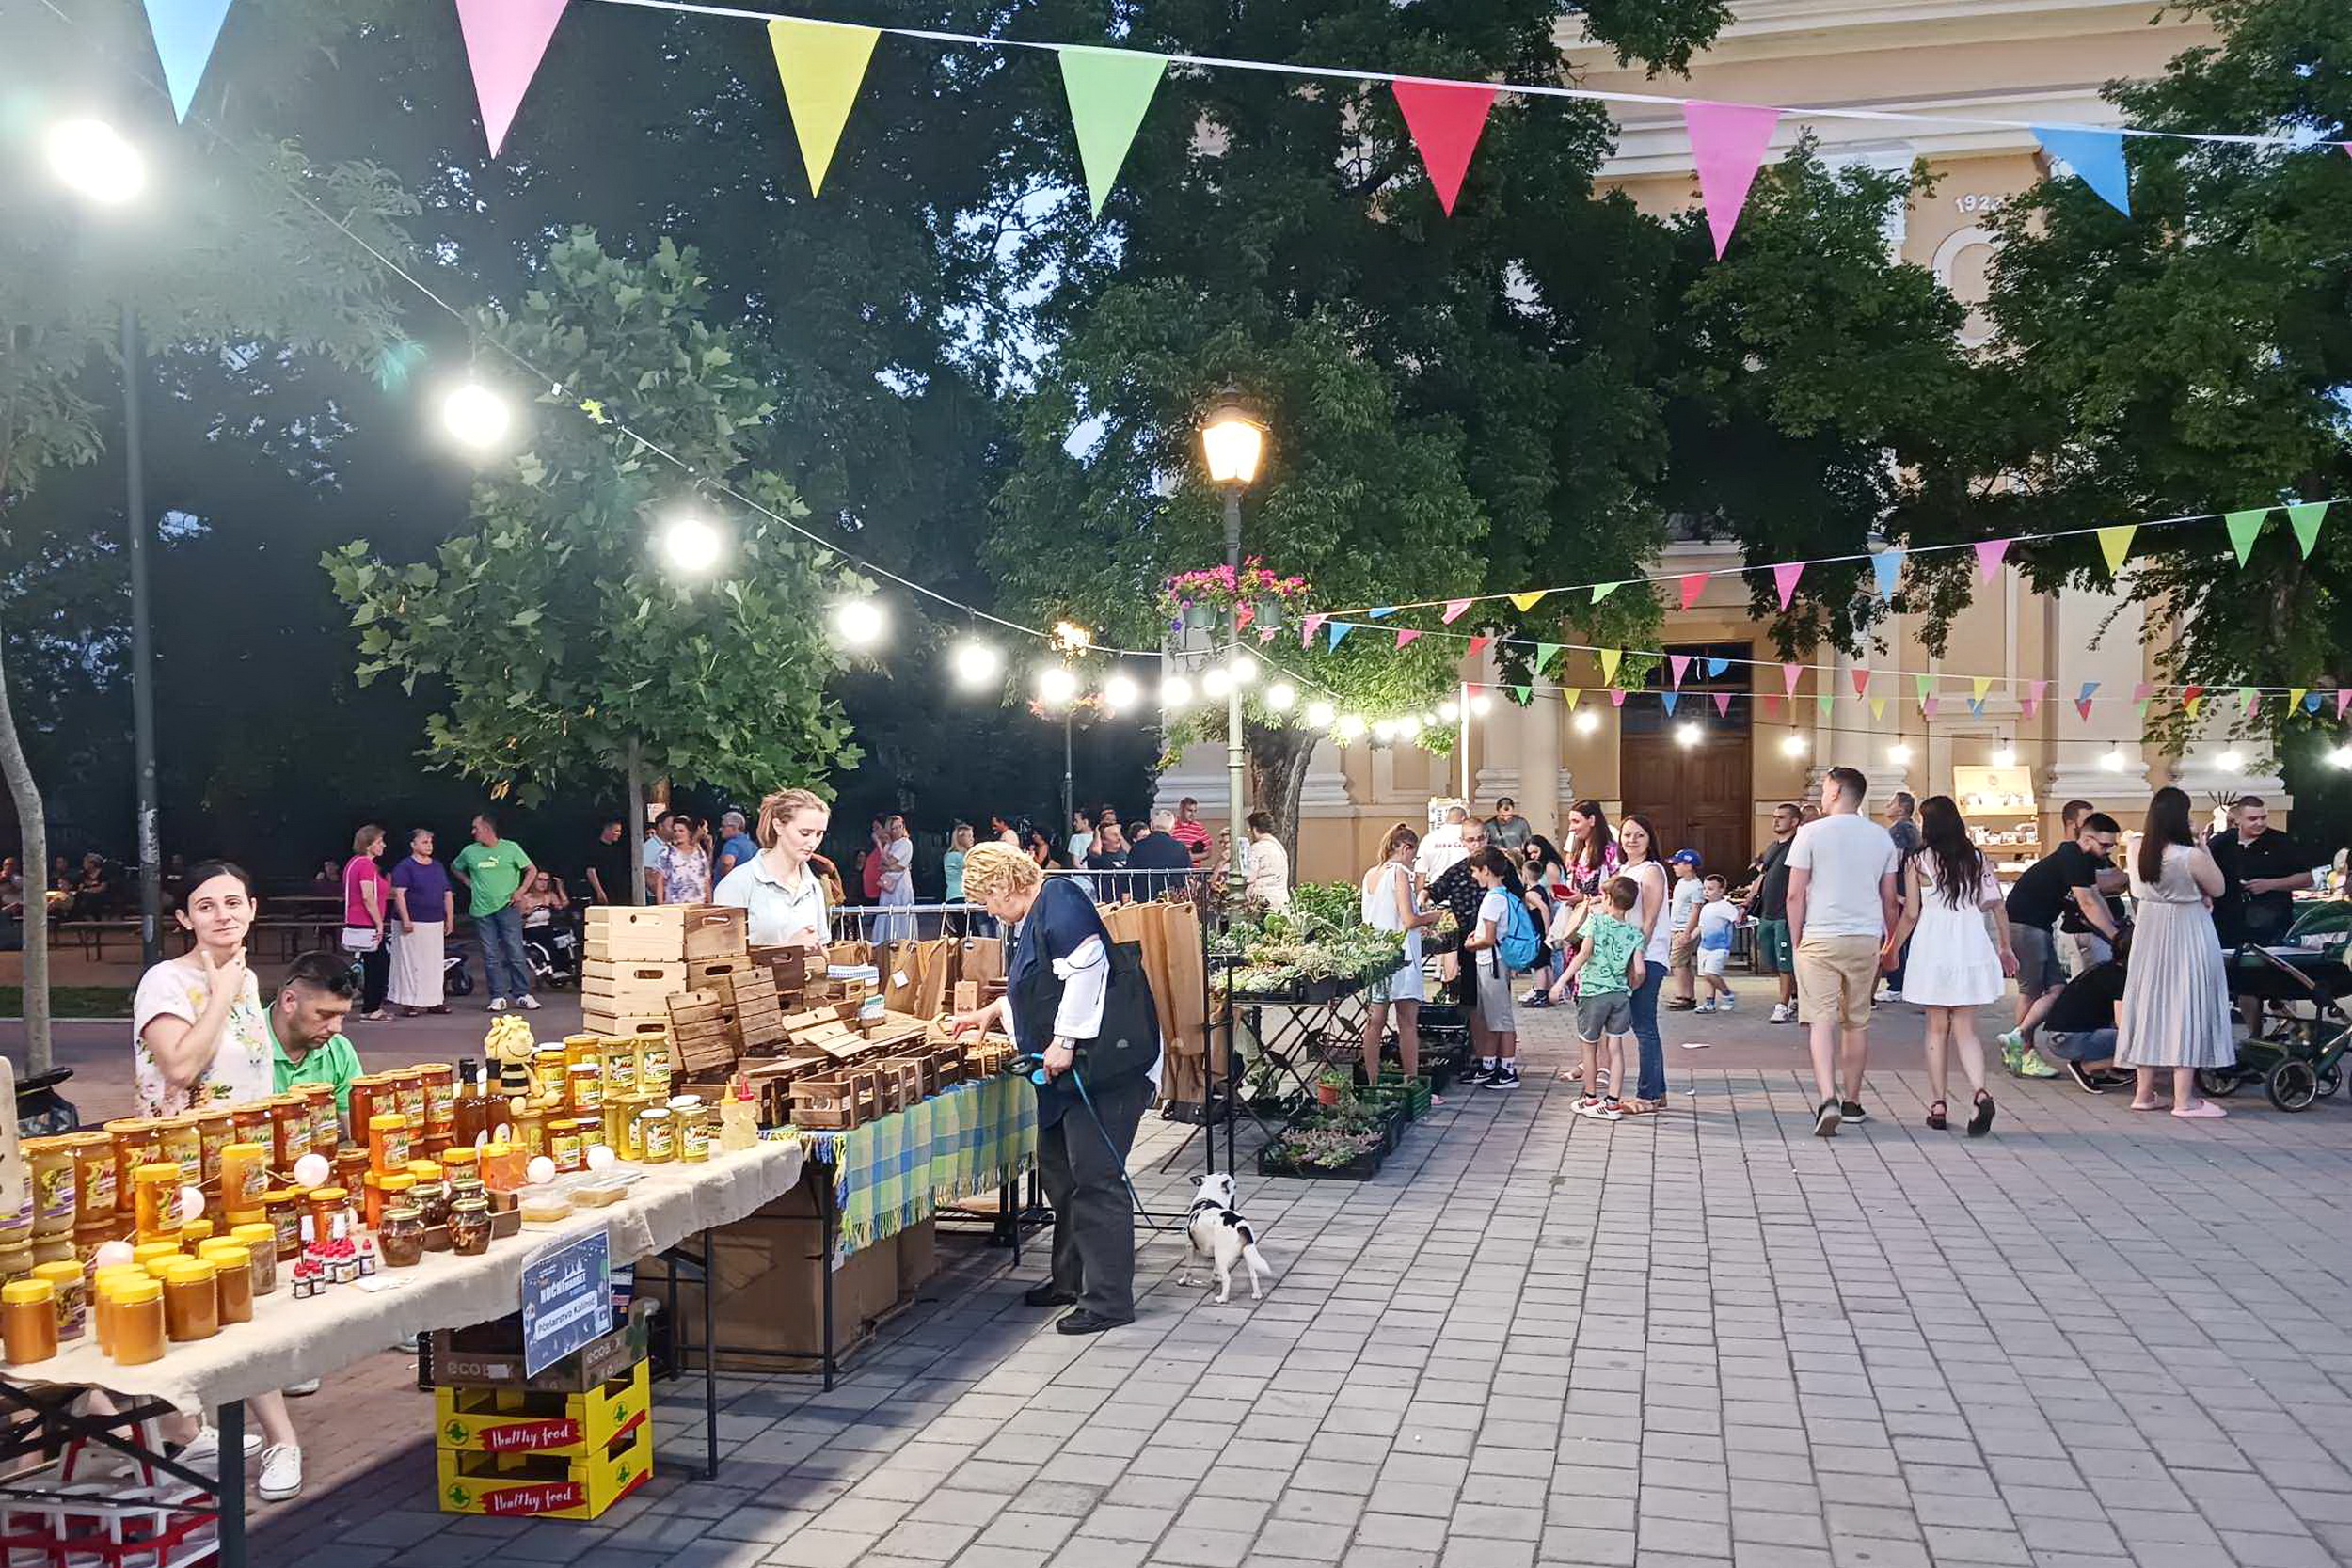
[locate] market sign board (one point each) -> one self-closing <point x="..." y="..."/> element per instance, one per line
<point x="567" y="1300"/>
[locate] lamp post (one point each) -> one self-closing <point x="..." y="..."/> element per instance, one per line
<point x="1231" y="442"/>
<point x="99" y="164"/>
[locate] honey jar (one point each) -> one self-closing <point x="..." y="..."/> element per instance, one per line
<point x="16" y="1259"/>
<point x="194" y="1233"/>
<point x="88" y="1238"/>
<point x="250" y="1123"/>
<point x="401" y="1239"/>
<point x="213" y="1131"/>
<point x="657" y="1135"/>
<point x="260" y="1242"/>
<point x="136" y="1142"/>
<point x="101" y="1308"/>
<point x="183" y="1148"/>
<point x="470" y="1227"/>
<point x="94" y="1191"/>
<point x="567" y="1147"/>
<point x="244" y="1175"/>
<point x="323" y="1205"/>
<point x="155" y="1202"/>
<point x="327" y="1127"/>
<point x="528" y="1126"/>
<point x="191" y="1300"/>
<point x="71" y="1292"/>
<point x="620" y="1067"/>
<point x="584" y="1091"/>
<point x="285" y="1207"/>
<point x="693" y="1128"/>
<point x="138" y="1321"/>
<point x="408" y="1095"/>
<point x="388" y="1143"/>
<point x="232" y="1279"/>
<point x="653" y="1066"/>
<point x="145" y="1255"/>
<point x="49" y="1166"/>
<point x="28" y="1321"/>
<point x="439" y="1082"/>
<point x="53" y="1249"/>
<point x="549" y="1065"/>
<point x="289" y="1131"/>
<point x="385" y="1193"/>
<point x="351" y="1163"/>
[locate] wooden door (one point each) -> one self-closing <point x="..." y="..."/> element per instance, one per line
<point x="1698" y="796"/>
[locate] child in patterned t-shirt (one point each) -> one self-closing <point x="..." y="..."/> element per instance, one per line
<point x="1606" y="971"/>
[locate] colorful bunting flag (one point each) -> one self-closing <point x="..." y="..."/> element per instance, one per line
<point x="2306" y="518"/>
<point x="1924" y="685"/>
<point x="822" y="67"/>
<point x="1109" y="91"/>
<point x="2097" y="155"/>
<point x="2343" y="700"/>
<point x="1861" y="683"/>
<point x="2114" y="543"/>
<point x="1543" y="656"/>
<point x="1694" y="584"/>
<point x="1677" y="666"/>
<point x="1989" y="556"/>
<point x="505" y="41"/>
<point x="2244" y="527"/>
<point x="1479" y="645"/>
<point x="1728" y="143"/>
<point x="1983" y="686"/>
<point x="1929" y="704"/>
<point x="1785" y="577"/>
<point x="1308" y="627"/>
<point x="1887" y="566"/>
<point x="1445" y="119"/>
<point x="1771" y="705"/>
<point x="1825" y="701"/>
<point x="1789" y="675"/>
<point x="1610" y="659"/>
<point x="2248" y="701"/>
<point x="2082" y="700"/>
<point x="185" y="31"/>
<point x="1975" y="706"/>
<point x="1521" y="693"/>
<point x="1569" y="694"/>
<point x="1723" y="704"/>
<point x="2190" y="697"/>
<point x="1381" y="612"/>
<point x="1453" y="608"/>
<point x="1668" y="699"/>
<point x="1602" y="590"/>
<point x="1616" y="696"/>
<point x="1340" y="630"/>
<point x="1717" y="666"/>
<point x="1528" y="601"/>
<point x="1878" y="707"/>
<point x="1405" y="637"/>
<point x="2295" y="697"/>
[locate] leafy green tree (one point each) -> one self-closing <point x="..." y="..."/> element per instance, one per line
<point x="560" y="644"/>
<point x="2192" y="357"/>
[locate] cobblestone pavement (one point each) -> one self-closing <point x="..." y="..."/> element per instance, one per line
<point x="1706" y="1338"/>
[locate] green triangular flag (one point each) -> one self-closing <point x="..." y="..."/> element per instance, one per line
<point x="1602" y="590"/>
<point x="1109" y="91"/>
<point x="1523" y="692"/>
<point x="2306" y="517"/>
<point x="2114" y="543"/>
<point x="1926" y="685"/>
<point x="2244" y="527"/>
<point x="1826" y="701"/>
<point x="821" y="67"/>
<point x="1543" y="656"/>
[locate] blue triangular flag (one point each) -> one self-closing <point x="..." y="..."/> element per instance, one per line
<point x="1717" y="666"/>
<point x="2096" y="155"/>
<point x="1382" y="614"/>
<point x="2311" y="703"/>
<point x="185" y="31"/>
<point x="1340" y="629"/>
<point x="1669" y="698"/>
<point x="2089" y="686"/>
<point x="1887" y="564"/>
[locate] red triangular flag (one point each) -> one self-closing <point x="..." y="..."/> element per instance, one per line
<point x="2082" y="705"/>
<point x="1479" y="645"/>
<point x="1771" y="705"/>
<point x="1727" y="142"/>
<point x="1403" y="637"/>
<point x="1723" y="704"/>
<point x="1445" y="119"/>
<point x="1862" y="683"/>
<point x="505" y="41"/>
<point x="1694" y="584"/>
<point x="1785" y="577"/>
<point x="1453" y="608"/>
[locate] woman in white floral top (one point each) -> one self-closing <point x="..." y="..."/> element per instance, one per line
<point x="198" y="1032"/>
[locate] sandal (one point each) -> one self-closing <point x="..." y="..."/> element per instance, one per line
<point x="1981" y="1124"/>
<point x="2152" y="1106"/>
<point x="1935" y="1116"/>
<point x="1637" y="1106"/>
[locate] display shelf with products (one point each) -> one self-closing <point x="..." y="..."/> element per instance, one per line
<point x="2004" y="816"/>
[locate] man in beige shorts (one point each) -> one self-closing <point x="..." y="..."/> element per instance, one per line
<point x="1842" y="905"/>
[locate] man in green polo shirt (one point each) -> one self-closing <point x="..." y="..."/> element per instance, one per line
<point x="494" y="870"/>
<point x="306" y="1027"/>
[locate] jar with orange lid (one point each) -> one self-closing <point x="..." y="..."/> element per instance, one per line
<point x="93" y="1176"/>
<point x="155" y="1202"/>
<point x="137" y="1141"/>
<point x="138" y="1321"/>
<point x="351" y="1163"/>
<point x="387" y="1141"/>
<point x="441" y="1087"/>
<point x="387" y="1191"/>
<point x="323" y="1205"/>
<point x="408" y="1095"/>
<point x="71" y="1294"/>
<point x="283" y="1205"/>
<point x="327" y="1125"/>
<point x="244" y="1175"/>
<point x="191" y="1300"/>
<point x="184" y="1146"/>
<point x="28" y="1321"/>
<point x="566" y="1146"/>
<point x="232" y="1278"/>
<point x="49" y="1167"/>
<point x="289" y="1131"/>
<point x="213" y="1129"/>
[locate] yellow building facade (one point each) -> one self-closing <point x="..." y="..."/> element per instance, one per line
<point x="1710" y="780"/>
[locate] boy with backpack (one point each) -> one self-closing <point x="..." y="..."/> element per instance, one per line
<point x="1714" y="920"/>
<point x="1504" y="939"/>
<point x="1605" y="971"/>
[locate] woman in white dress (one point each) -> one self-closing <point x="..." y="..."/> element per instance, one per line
<point x="2175" y="1013"/>
<point x="1960" y="955"/>
<point x="1389" y="904"/>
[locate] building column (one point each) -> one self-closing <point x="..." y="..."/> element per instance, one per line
<point x="2199" y="769"/>
<point x="1541" y="776"/>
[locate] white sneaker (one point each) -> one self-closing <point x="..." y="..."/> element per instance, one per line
<point x="282" y="1473"/>
<point x="1780" y="1012"/>
<point x="1706" y="1007"/>
<point x="303" y="1389"/>
<point x="1890" y="994"/>
<point x="204" y="1448"/>
<point x="1723" y="1005"/>
<point x="498" y="1004"/>
<point x="528" y="1003"/>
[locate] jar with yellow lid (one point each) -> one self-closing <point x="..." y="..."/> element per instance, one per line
<point x="387" y="1141"/>
<point x="244" y="1175"/>
<point x="260" y="1241"/>
<point x="71" y="1288"/>
<point x="232" y="1279"/>
<point x="194" y="1234"/>
<point x="101" y="1308"/>
<point x="28" y="1321"/>
<point x="191" y="1300"/>
<point x="138" y="1321"/>
<point x="145" y="1253"/>
<point x="387" y="1191"/>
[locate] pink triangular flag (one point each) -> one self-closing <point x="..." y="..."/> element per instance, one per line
<point x="2344" y="698"/>
<point x="2142" y="691"/>
<point x="1445" y="119"/>
<point x="1862" y="683"/>
<point x="1727" y="142"/>
<point x="1789" y="675"/>
<point x="505" y="41"/>
<point x="1453" y="608"/>
<point x="1479" y="645"/>
<point x="1723" y="704"/>
<point x="1785" y="577"/>
<point x="1694" y="584"/>
<point x="1988" y="554"/>
<point x="1929" y="704"/>
<point x="1405" y="638"/>
<point x="1675" y="665"/>
<point x="2039" y="690"/>
<point x="1308" y="627"/>
<point x="1616" y="696"/>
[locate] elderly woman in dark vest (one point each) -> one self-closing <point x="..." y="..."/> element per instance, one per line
<point x="1079" y="1005"/>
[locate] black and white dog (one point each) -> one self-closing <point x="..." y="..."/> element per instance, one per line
<point x="1224" y="1237"/>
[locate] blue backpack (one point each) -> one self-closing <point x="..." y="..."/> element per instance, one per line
<point x="1521" y="945"/>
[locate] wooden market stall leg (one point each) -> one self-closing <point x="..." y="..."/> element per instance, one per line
<point x="231" y="1524"/>
<point x="710" y="1361"/>
<point x="829" y="1231"/>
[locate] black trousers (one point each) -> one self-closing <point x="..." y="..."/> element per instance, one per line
<point x="375" y="975"/>
<point x="1094" y="1239"/>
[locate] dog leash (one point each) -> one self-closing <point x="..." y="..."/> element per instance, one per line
<point x="1117" y="1160"/>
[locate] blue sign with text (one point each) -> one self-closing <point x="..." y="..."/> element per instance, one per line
<point x="568" y="1300"/>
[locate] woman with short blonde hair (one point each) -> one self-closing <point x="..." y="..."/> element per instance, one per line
<point x="779" y="889"/>
<point x="992" y="869"/>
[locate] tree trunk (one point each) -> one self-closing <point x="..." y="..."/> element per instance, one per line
<point x="635" y="836"/>
<point x="35" y="860"/>
<point x="1277" y="771"/>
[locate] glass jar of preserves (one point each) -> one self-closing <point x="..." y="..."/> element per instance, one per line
<point x="565" y="1147"/>
<point x="620" y="1065"/>
<point x="232" y="1278"/>
<point x="459" y="1164"/>
<point x="213" y="1131"/>
<point x="137" y="1310"/>
<point x="70" y="1288"/>
<point x="250" y="1123"/>
<point x="28" y="1321"/>
<point x="528" y="1124"/>
<point x="408" y="1093"/>
<point x="195" y="1233"/>
<point x="657" y="1135"/>
<point x="155" y="1202"/>
<point x="244" y="1175"/>
<point x="285" y="1209"/>
<point x="547" y="1065"/>
<point x="439" y="1080"/>
<point x="584" y="1091"/>
<point x="88" y="1238"/>
<point x="470" y="1227"/>
<point x="693" y="1127"/>
<point x="653" y="1066"/>
<point x="16" y="1259"/>
<point x="323" y="1205"/>
<point x="401" y="1238"/>
<point x="387" y="1141"/>
<point x="431" y="1199"/>
<point x="289" y="1131"/>
<point x="49" y="1166"/>
<point x="620" y="1125"/>
<point x="101" y="1303"/>
<point x="94" y="1195"/>
<point x="351" y="1165"/>
<point x="53" y="1249"/>
<point x="326" y="1123"/>
<point x="138" y="1142"/>
<point x="182" y="1146"/>
<point x="503" y="1165"/>
<point x="386" y="1192"/>
<point x="371" y="1096"/>
<point x="261" y="1244"/>
<point x="191" y="1300"/>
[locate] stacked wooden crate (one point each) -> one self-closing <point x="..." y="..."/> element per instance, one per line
<point x="633" y="962"/>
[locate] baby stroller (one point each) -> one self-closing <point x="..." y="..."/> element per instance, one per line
<point x="2298" y="1053"/>
<point x="552" y="950"/>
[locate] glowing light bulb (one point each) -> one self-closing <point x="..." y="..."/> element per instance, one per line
<point x="2230" y="762"/>
<point x="1282" y="697"/>
<point x="2340" y="757"/>
<point x="858" y="623"/>
<point x="1215" y="682"/>
<point x="2112" y="761"/>
<point x="1792" y="745"/>
<point x="1585" y="721"/>
<point x="1450" y="711"/>
<point x="2005" y="757"/>
<point x="1384" y="729"/>
<point x="977" y="664"/>
<point x="1687" y="734"/>
<point x="1320" y="714"/>
<point x="476" y="417"/>
<point x="1243" y="668"/>
<point x="1057" y="685"/>
<point x="1175" y="691"/>
<point x="692" y="544"/>
<point x="1482" y="705"/>
<point x="1120" y="693"/>
<point x="1351" y="727"/>
<point x="1898" y="754"/>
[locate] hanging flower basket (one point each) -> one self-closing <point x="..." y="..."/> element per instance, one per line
<point x="1198" y="600"/>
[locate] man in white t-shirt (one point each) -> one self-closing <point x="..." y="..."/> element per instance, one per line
<point x="1842" y="905"/>
<point x="1442" y="848"/>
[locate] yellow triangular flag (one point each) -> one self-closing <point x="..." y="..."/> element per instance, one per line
<point x="1609" y="660"/>
<point x="1984" y="684"/>
<point x="1878" y="707"/>
<point x="1570" y="693"/>
<point x="1527" y="601"/>
<point x="2114" y="543"/>
<point x="2294" y="698"/>
<point x="821" y="66"/>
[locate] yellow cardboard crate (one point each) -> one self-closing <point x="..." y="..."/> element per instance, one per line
<point x="515" y="1420"/>
<point x="546" y="1486"/>
<point x="629" y="933"/>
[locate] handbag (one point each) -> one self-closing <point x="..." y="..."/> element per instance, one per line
<point x="361" y="939"/>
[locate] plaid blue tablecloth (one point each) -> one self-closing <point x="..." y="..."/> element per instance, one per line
<point x="897" y="1171"/>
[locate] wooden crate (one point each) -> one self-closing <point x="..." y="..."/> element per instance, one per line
<point x="628" y="933"/>
<point x="615" y="987"/>
<point x="758" y="1018"/>
<point x="706" y="974"/>
<point x="967" y="996"/>
<point x="625" y="1025"/>
<point x="834" y="1101"/>
<point x="700" y="1037"/>
<point x="716" y="931"/>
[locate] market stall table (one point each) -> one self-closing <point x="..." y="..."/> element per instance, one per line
<point x="290" y="1341"/>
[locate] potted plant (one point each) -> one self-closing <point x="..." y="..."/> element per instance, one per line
<point x="1333" y="1086"/>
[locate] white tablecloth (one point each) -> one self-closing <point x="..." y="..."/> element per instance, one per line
<point x="290" y="1341"/>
